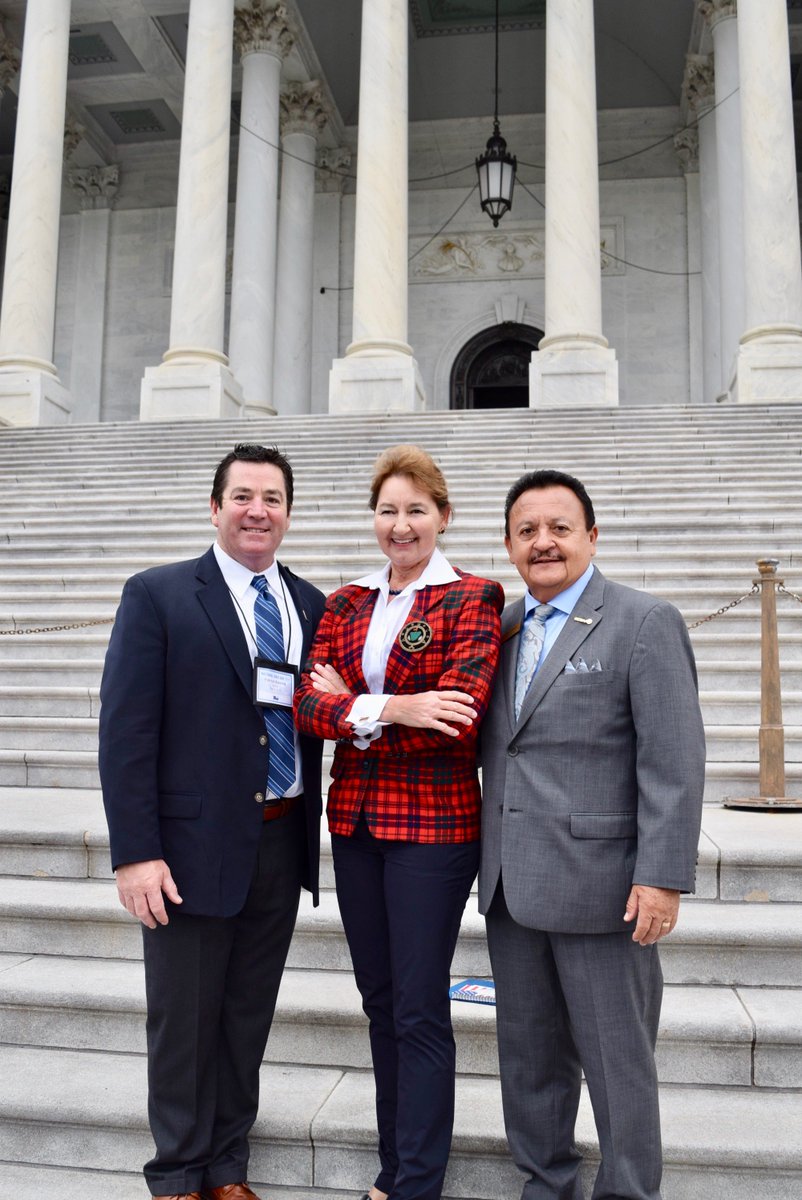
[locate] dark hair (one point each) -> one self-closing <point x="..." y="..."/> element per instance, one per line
<point x="534" y="480"/>
<point x="249" y="452"/>
<point x="414" y="464"/>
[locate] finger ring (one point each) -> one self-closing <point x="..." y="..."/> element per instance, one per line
<point x="665" y="923"/>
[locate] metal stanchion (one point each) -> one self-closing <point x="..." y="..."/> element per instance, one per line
<point x="772" y="735"/>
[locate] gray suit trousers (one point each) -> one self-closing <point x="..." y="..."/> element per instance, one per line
<point x="568" y="1003"/>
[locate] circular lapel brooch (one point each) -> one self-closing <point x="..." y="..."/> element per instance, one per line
<point x="415" y="636"/>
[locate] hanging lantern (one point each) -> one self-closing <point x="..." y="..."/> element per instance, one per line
<point x="496" y="167"/>
<point x="496" y="170"/>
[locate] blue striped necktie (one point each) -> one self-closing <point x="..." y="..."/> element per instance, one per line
<point x="278" y="721"/>
<point x="533" y="635"/>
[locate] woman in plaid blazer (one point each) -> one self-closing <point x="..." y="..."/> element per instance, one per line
<point x="399" y="675"/>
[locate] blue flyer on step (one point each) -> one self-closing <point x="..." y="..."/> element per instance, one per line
<point x="477" y="991"/>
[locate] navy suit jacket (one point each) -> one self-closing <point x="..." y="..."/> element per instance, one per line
<point x="181" y="754"/>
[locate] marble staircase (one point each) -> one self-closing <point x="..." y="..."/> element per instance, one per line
<point x="686" y="500"/>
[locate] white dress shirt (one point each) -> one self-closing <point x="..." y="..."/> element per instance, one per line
<point x="389" y="615"/>
<point x="243" y="596"/>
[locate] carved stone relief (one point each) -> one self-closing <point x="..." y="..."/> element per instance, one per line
<point x="514" y="253"/>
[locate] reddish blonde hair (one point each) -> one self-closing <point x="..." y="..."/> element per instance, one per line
<point x="417" y="466"/>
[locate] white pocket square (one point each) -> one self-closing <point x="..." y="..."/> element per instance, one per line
<point x="581" y="667"/>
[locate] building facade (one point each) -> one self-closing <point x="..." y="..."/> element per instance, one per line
<point x="220" y="209"/>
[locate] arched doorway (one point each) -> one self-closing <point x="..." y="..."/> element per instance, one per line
<point x="492" y="369"/>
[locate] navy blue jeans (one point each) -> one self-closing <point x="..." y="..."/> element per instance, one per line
<point x="401" y="905"/>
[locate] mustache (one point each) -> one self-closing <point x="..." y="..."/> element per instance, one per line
<point x="539" y="558"/>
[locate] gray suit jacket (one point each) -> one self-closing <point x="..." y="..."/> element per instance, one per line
<point x="599" y="784"/>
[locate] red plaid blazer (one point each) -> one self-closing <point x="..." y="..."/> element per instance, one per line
<point x="414" y="785"/>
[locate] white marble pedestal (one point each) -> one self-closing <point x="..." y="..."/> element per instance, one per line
<point x="580" y="376"/>
<point x="33" y="397"/>
<point x="769" y="368"/>
<point x="184" y="391"/>
<point x="376" y="383"/>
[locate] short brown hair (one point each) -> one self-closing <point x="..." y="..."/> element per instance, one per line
<point x="417" y="466"/>
<point x="251" y="453"/>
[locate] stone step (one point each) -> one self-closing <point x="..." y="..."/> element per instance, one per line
<point x="55" y="833"/>
<point x="49" y="768"/>
<point x="77" y="644"/>
<point x="739" y="743"/>
<point x="29" y="1182"/>
<point x="716" y="942"/>
<point x="696" y="595"/>
<point x="46" y="672"/>
<point x="658" y="570"/>
<point x="748" y="1037"/>
<point x="743" y="708"/>
<point x="517" y="450"/>
<point x="727" y="780"/>
<point x="59" y="700"/>
<point x="317" y="1129"/>
<point x="727" y="676"/>
<point x="78" y="769"/>
<point x="64" y="700"/>
<point x="74" y="735"/>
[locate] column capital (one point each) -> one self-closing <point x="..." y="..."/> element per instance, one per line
<point x="332" y="168"/>
<point x="686" y="144"/>
<point x="96" y="186"/>
<point x="74" y="133"/>
<point x="303" y="108"/>
<point x="9" y="59"/>
<point x="714" y="11"/>
<point x="699" y="82"/>
<point x="263" y="27"/>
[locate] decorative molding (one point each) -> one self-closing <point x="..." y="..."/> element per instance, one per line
<point x="686" y="144"/>
<point x="714" y="11"/>
<point x="73" y="136"/>
<point x="510" y="309"/>
<point x="333" y="169"/>
<point x="444" y="18"/>
<point x="9" y="59"/>
<point x="303" y="108"/>
<point x="263" y="28"/>
<point x="96" y="186"/>
<point x="513" y="254"/>
<point x="699" y="82"/>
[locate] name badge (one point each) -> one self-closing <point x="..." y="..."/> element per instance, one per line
<point x="273" y="683"/>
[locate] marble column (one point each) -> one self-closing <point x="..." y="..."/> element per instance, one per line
<point x="9" y="67"/>
<point x="303" y="117"/>
<point x="686" y="144"/>
<point x="378" y="372"/>
<point x="574" y="366"/>
<point x="721" y="16"/>
<point x="699" y="86"/>
<point x="333" y="174"/>
<point x="30" y="390"/>
<point x="770" y="355"/>
<point x="263" y="38"/>
<point x="194" y="379"/>
<point x="97" y="190"/>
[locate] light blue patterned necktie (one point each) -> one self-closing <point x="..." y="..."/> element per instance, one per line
<point x="278" y="721"/>
<point x="529" y="648"/>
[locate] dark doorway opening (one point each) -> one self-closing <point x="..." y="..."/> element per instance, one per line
<point x="492" y="369"/>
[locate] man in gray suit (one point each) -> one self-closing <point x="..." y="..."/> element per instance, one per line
<point x="593" y="766"/>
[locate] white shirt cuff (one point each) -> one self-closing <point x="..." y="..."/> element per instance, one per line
<point x="364" y="716"/>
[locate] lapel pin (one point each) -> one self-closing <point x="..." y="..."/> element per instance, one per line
<point x="584" y="620"/>
<point x="415" y="636"/>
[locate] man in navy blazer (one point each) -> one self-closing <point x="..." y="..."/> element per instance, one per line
<point x="593" y="761"/>
<point x="210" y="861"/>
